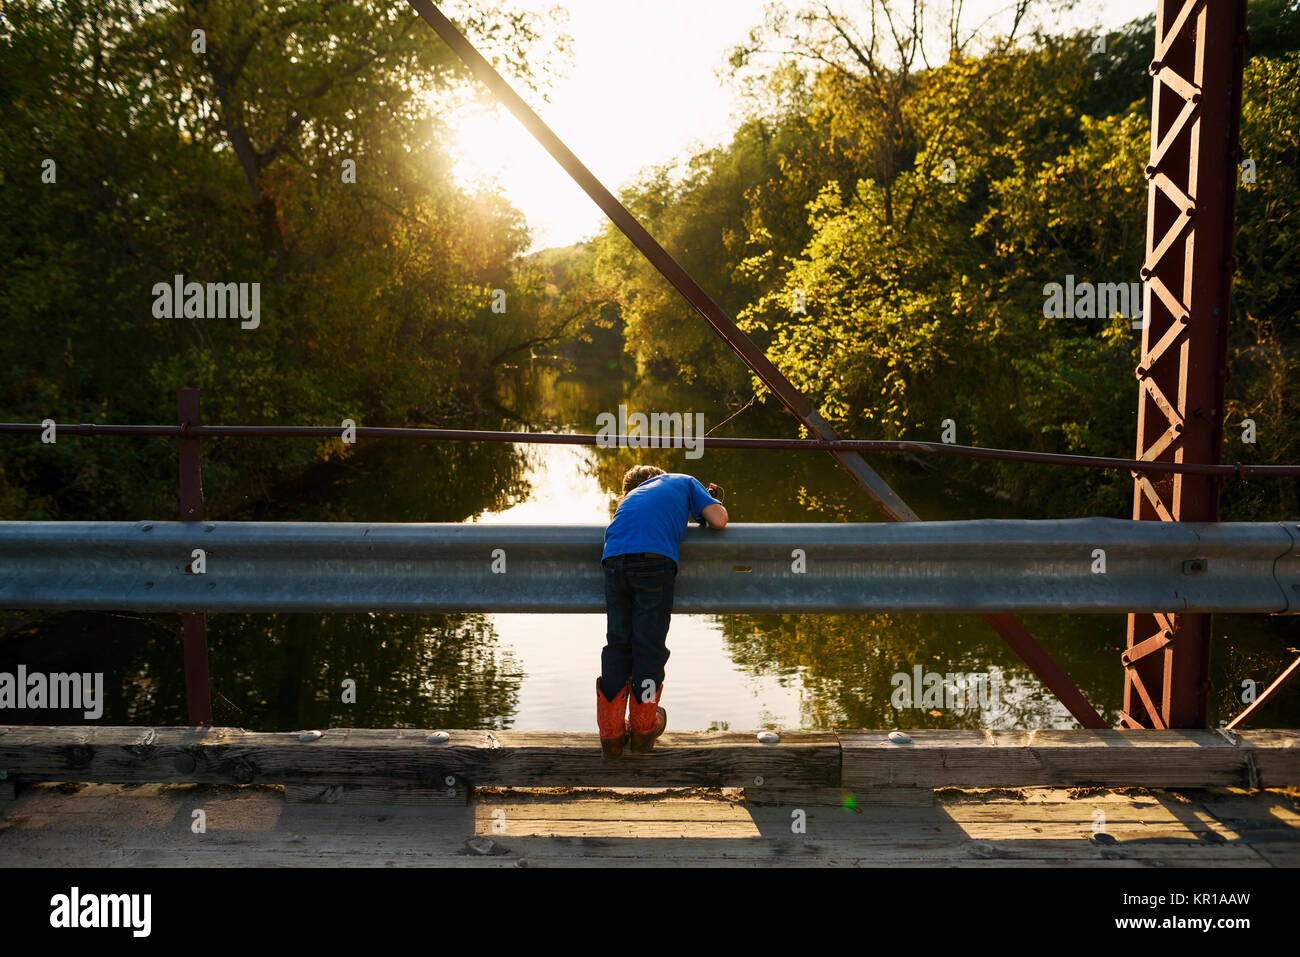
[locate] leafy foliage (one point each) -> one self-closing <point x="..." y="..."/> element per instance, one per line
<point x="228" y="161"/>
<point x="886" y="230"/>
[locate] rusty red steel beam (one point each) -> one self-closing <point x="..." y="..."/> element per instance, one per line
<point x="885" y="497"/>
<point x="1191" y="195"/>
<point x="1269" y="693"/>
<point x="194" y="627"/>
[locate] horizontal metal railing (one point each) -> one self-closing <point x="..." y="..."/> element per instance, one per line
<point x="1094" y="565"/>
<point x="1236" y="470"/>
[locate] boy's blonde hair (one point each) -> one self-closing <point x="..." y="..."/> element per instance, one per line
<point x="638" y="474"/>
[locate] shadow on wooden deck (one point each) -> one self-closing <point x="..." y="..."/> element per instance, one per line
<point x="63" y="825"/>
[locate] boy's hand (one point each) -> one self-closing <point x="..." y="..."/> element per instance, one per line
<point x="719" y="513"/>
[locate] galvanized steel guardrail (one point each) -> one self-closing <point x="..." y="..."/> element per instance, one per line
<point x="980" y="566"/>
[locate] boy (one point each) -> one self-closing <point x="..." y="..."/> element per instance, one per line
<point x="640" y="562"/>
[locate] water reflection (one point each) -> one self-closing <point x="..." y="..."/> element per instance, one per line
<point x="281" y="672"/>
<point x="400" y="481"/>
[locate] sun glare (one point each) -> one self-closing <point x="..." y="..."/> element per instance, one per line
<point x="491" y="149"/>
<point x="477" y="146"/>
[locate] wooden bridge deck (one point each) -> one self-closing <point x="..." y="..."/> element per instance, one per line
<point x="62" y="825"/>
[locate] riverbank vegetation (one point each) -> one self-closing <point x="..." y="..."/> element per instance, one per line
<point x="258" y="150"/>
<point x="885" y="231"/>
<point x="883" y="226"/>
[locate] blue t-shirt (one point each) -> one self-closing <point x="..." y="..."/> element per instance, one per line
<point x="654" y="515"/>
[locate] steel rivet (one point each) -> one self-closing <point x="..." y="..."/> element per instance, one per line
<point x="146" y="528"/>
<point x="769" y="737"/>
<point x="898" y="737"/>
<point x="450" y="780"/>
<point x="758" y="781"/>
<point x="439" y="737"/>
<point x="208" y="528"/>
<point x="309" y="735"/>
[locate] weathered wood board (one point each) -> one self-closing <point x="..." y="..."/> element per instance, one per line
<point x="362" y="794"/>
<point x="840" y="797"/>
<point x="807" y="766"/>
<point x="803" y="759"/>
<point x="405" y="758"/>
<point x="1163" y="759"/>
<point x="254" y="825"/>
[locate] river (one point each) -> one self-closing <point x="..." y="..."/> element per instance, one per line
<point x="536" y="672"/>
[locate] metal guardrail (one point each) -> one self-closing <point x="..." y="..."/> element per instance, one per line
<point x="973" y="566"/>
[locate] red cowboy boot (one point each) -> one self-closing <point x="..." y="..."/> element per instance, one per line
<point x="611" y="719"/>
<point x="646" y="721"/>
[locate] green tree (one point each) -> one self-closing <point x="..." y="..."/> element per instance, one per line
<point x="228" y="156"/>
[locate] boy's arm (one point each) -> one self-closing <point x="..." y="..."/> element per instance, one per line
<point x="711" y="513"/>
<point x="714" y="515"/>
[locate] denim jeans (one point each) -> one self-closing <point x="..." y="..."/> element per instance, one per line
<point x="638" y="606"/>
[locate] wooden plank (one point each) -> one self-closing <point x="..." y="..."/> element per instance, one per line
<point x="681" y="759"/>
<point x="863" y="762"/>
<point x="1268" y="820"/>
<point x="793" y="797"/>
<point x="1279" y="854"/>
<point x="606" y="852"/>
<point x="258" y="809"/>
<point x="404" y="758"/>
<point x="1276" y="757"/>
<point x="840" y="797"/>
<point x="99" y="825"/>
<point x="689" y="807"/>
<point x="1250" y="811"/>
<point x="121" y="755"/>
<point x="361" y="794"/>
<point x="1165" y="759"/>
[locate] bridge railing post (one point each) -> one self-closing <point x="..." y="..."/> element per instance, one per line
<point x="194" y="627"/>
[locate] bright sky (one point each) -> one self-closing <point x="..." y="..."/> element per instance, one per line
<point x="643" y="89"/>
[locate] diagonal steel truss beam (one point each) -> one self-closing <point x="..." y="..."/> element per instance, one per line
<point x="1010" y="628"/>
<point x="1269" y="694"/>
